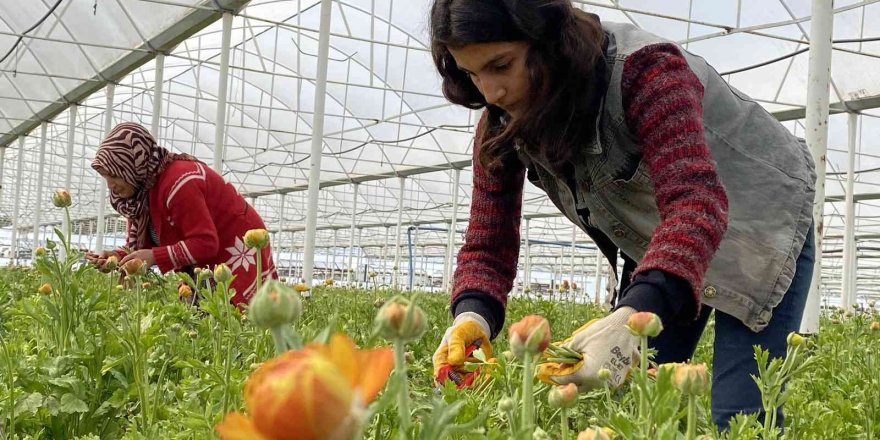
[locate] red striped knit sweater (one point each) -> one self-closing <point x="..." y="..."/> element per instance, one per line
<point x="662" y="101"/>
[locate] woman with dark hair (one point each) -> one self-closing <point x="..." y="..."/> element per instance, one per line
<point x="707" y="198"/>
<point x="181" y="213"/>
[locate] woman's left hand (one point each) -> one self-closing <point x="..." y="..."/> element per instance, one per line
<point x="144" y="254"/>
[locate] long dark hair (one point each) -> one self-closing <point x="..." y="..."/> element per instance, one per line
<point x="565" y="47"/>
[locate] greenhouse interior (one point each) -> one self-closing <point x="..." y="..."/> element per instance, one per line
<point x="329" y="118"/>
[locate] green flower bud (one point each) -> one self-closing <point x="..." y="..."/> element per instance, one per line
<point x="222" y="274"/>
<point x="274" y="305"/>
<point x="401" y="319"/>
<point x="61" y="199"/>
<point x="256" y="238"/>
<point x="506" y="404"/>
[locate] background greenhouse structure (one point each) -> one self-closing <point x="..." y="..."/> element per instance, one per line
<point x="256" y="88"/>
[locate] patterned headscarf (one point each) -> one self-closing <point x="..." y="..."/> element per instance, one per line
<point x="130" y="152"/>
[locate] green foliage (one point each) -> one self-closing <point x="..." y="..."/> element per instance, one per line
<point x="92" y="360"/>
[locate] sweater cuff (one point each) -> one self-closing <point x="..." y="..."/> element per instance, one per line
<point x="662" y="293"/>
<point x="163" y="260"/>
<point x="482" y="304"/>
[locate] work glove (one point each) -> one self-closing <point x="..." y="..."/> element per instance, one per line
<point x="468" y="332"/>
<point x="604" y="343"/>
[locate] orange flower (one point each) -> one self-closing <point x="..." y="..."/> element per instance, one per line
<point x="133" y="266"/>
<point x="319" y="392"/>
<point x="644" y="324"/>
<point x="184" y="291"/>
<point x="45" y="289"/>
<point x="531" y="335"/>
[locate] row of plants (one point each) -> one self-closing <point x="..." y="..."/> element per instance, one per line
<point x="129" y="354"/>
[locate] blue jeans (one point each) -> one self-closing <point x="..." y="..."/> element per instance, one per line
<point x="733" y="390"/>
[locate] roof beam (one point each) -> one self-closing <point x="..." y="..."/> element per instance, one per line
<point x="166" y="40"/>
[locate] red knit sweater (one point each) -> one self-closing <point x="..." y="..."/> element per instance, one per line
<point x="662" y="99"/>
<point x="201" y="221"/>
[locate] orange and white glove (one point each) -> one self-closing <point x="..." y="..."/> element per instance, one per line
<point x="604" y="343"/>
<point x="468" y="332"/>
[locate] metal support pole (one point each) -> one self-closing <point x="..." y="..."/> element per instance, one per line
<point x="385" y="253"/>
<point x="68" y="174"/>
<point x="41" y="166"/>
<point x="279" y="235"/>
<point x="597" y="289"/>
<point x="527" y="263"/>
<point x="360" y="254"/>
<point x="848" y="281"/>
<point x="220" y="123"/>
<point x="2" y="166"/>
<point x="157" y="95"/>
<point x="102" y="188"/>
<point x="335" y="244"/>
<point x="17" y="202"/>
<point x="571" y="279"/>
<point x="450" y="239"/>
<point x="354" y="207"/>
<point x="317" y="142"/>
<point x="398" y="234"/>
<point x="819" y="78"/>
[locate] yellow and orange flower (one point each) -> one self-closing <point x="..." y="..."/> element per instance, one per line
<point x="326" y="387"/>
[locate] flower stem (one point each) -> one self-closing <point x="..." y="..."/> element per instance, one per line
<point x="643" y="378"/>
<point x="528" y="409"/>
<point x="280" y="340"/>
<point x="259" y="268"/>
<point x="403" y="390"/>
<point x="692" y="417"/>
<point x="564" y="423"/>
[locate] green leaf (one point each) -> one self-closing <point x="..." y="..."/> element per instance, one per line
<point x="29" y="404"/>
<point x="71" y="404"/>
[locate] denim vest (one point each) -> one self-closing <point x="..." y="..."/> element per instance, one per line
<point x="767" y="172"/>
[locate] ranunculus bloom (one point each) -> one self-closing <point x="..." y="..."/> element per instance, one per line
<point x="133" y="266"/>
<point x="564" y="396"/>
<point x="184" y="291"/>
<point x="400" y="319"/>
<point x="275" y="304"/>
<point x="222" y="274"/>
<point x="595" y="434"/>
<point x="45" y="289"/>
<point x="256" y="238"/>
<point x="61" y="199"/>
<point x="319" y="392"/>
<point x="691" y="379"/>
<point x="875" y="326"/>
<point x="531" y="335"/>
<point x="644" y="324"/>
<point x="301" y="287"/>
<point x="794" y="339"/>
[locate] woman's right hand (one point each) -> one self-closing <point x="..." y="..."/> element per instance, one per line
<point x="468" y="331"/>
<point x="99" y="259"/>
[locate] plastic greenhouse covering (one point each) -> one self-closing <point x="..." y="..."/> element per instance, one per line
<point x="386" y="122"/>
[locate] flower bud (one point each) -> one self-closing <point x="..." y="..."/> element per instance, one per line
<point x="373" y="274"/>
<point x="222" y="274"/>
<point x="593" y="434"/>
<point x="564" y="396"/>
<point x="328" y="282"/>
<point x="794" y="339"/>
<point x="135" y="266"/>
<point x="50" y="244"/>
<point x="540" y="434"/>
<point x="604" y="374"/>
<point x="691" y="379"/>
<point x="378" y="303"/>
<point x="401" y="319"/>
<point x="256" y="238"/>
<point x="644" y="324"/>
<point x="872" y="304"/>
<point x="276" y="304"/>
<point x="184" y="291"/>
<point x="40" y="251"/>
<point x="300" y="287"/>
<point x="61" y="199"/>
<point x="506" y="404"/>
<point x="145" y="285"/>
<point x="875" y="326"/>
<point x="112" y="263"/>
<point x="529" y="336"/>
<point x="508" y="355"/>
<point x="45" y="289"/>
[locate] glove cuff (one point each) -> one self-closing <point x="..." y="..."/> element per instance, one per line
<point x="472" y="316"/>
